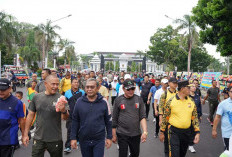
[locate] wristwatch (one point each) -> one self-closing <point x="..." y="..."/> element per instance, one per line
<point x="146" y="133"/>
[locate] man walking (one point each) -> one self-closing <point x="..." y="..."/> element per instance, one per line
<point x="128" y="115"/>
<point x="72" y="95"/>
<point x="34" y="78"/>
<point x="213" y="96"/>
<point x="145" y="89"/>
<point x="224" y="114"/>
<point x="11" y="116"/>
<point x="179" y="114"/>
<point x="164" y="83"/>
<point x="151" y="95"/>
<point x="40" y="87"/>
<point x="90" y="122"/>
<point x="48" y="134"/>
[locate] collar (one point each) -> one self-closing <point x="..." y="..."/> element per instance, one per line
<point x="171" y="91"/>
<point x="178" y="98"/>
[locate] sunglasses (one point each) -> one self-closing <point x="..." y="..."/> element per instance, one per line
<point x="133" y="88"/>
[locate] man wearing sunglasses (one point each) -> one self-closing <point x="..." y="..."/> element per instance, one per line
<point x="128" y="115"/>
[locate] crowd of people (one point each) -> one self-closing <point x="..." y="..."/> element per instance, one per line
<point x="82" y="99"/>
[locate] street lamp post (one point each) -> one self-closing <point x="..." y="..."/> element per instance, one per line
<point x="46" y="58"/>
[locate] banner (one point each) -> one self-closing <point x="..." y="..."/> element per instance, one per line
<point x="208" y="77"/>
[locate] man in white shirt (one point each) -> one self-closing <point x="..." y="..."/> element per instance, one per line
<point x="164" y="84"/>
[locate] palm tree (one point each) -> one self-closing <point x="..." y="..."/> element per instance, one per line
<point x="190" y="33"/>
<point x="140" y="53"/>
<point x="8" y="33"/>
<point x="48" y="35"/>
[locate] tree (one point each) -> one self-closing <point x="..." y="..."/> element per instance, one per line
<point x="216" y="65"/>
<point x="140" y="53"/>
<point x="48" y="35"/>
<point x="191" y="33"/>
<point x="133" y="67"/>
<point x="117" y="66"/>
<point x="109" y="66"/>
<point x="214" y="19"/>
<point x="110" y="56"/>
<point x="29" y="52"/>
<point x="165" y="47"/>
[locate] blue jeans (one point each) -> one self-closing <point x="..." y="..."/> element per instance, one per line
<point x="92" y="148"/>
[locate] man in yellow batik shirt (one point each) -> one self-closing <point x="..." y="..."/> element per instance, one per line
<point x="179" y="113"/>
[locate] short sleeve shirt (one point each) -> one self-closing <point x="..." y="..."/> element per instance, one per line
<point x="158" y="94"/>
<point x="11" y="109"/>
<point x="225" y="111"/>
<point x="48" y="121"/>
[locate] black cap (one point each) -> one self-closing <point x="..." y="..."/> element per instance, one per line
<point x="182" y="84"/>
<point x="4" y="84"/>
<point x="128" y="84"/>
<point x="173" y="79"/>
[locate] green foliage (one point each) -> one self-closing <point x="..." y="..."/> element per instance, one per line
<point x="117" y="66"/>
<point x="214" y="18"/>
<point x="39" y="71"/>
<point x="165" y="46"/>
<point x="110" y="56"/>
<point x="109" y="66"/>
<point x="133" y="67"/>
<point x="216" y="65"/>
<point x="60" y="61"/>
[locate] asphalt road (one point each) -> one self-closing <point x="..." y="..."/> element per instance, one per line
<point x="207" y="146"/>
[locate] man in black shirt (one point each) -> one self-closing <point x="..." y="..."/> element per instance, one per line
<point x="128" y="114"/>
<point x="226" y="90"/>
<point x="146" y="86"/>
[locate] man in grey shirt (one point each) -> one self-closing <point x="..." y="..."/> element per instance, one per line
<point x="128" y="114"/>
<point x="34" y="78"/>
<point x="40" y="87"/>
<point x="48" y="135"/>
<point x="213" y="96"/>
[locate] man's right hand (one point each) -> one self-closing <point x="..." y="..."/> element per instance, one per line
<point x="214" y="133"/>
<point x="148" y="101"/>
<point x="74" y="144"/>
<point x="25" y="140"/>
<point x="114" y="139"/>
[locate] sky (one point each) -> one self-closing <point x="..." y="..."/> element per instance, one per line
<point x="104" y="25"/>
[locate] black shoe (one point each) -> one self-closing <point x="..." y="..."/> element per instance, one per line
<point x="17" y="146"/>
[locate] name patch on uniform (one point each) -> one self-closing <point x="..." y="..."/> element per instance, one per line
<point x="136" y="105"/>
<point x="122" y="106"/>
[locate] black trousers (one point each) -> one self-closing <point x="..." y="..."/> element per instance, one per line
<point x="68" y="126"/>
<point x="113" y="98"/>
<point x="226" y="143"/>
<point x="147" y="106"/>
<point x="55" y="149"/>
<point x="7" y="151"/>
<point x="166" y="143"/>
<point x="179" y="141"/>
<point x="133" y="142"/>
<point x="212" y="108"/>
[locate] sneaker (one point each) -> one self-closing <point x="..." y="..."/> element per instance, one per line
<point x="191" y="149"/>
<point x="67" y="150"/>
<point x="156" y="135"/>
<point x="154" y="120"/>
